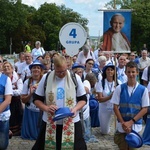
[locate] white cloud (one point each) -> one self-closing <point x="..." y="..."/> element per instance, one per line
<point x="83" y="1"/>
<point x="37" y="3"/>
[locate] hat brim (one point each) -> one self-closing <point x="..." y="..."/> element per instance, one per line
<point x="30" y="67"/>
<point x="109" y="66"/>
<point x="62" y="116"/>
<point x="79" y="66"/>
<point x="129" y="141"/>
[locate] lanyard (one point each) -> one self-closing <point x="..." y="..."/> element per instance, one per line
<point x="133" y="90"/>
<point x="110" y="86"/>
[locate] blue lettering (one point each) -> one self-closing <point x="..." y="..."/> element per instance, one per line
<point x="72" y="42"/>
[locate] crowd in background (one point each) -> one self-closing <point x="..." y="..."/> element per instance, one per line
<point x="100" y="71"/>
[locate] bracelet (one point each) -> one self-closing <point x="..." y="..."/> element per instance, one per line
<point x="133" y="120"/>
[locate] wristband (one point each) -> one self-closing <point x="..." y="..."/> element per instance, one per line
<point x="133" y="120"/>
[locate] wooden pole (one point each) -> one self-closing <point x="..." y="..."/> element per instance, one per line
<point x="114" y="4"/>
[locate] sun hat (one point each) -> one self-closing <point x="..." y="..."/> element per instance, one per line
<point x="107" y="66"/>
<point x="36" y="63"/>
<point x="76" y="65"/>
<point x="62" y="113"/>
<point x="93" y="103"/>
<point x="134" y="140"/>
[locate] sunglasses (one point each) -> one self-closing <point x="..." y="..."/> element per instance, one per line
<point x="91" y="64"/>
<point x="1" y="61"/>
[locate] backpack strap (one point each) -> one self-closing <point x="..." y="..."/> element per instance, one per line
<point x="42" y="50"/>
<point x="29" y="81"/>
<point x="45" y="82"/>
<point x="73" y="76"/>
<point x="103" y="83"/>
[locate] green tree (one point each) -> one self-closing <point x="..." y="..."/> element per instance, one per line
<point x="12" y="20"/>
<point x="68" y="15"/>
<point x="48" y="18"/>
<point x="20" y="23"/>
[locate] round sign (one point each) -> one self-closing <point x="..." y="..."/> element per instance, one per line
<point x="72" y="36"/>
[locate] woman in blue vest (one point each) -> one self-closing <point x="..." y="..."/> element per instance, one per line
<point x="131" y="101"/>
<point x="5" y="100"/>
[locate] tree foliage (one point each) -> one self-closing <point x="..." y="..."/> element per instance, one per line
<point x="20" y="23"/>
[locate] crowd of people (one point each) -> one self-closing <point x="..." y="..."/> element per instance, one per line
<point x="93" y="85"/>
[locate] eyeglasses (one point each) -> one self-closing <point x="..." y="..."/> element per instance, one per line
<point x="91" y="64"/>
<point x="1" y="61"/>
<point x="61" y="72"/>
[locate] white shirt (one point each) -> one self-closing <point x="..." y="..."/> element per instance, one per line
<point x="26" y="91"/>
<point x="80" y="91"/>
<point x="37" y="52"/>
<point x="121" y="75"/>
<point x="143" y="62"/>
<point x="17" y="84"/>
<point x="144" y="74"/>
<point x="148" y="86"/>
<point x="21" y="66"/>
<point x="18" y="64"/>
<point x="116" y="100"/>
<point x="109" y="87"/>
<point x="26" y="72"/>
<point x="86" y="108"/>
<point x="81" y="59"/>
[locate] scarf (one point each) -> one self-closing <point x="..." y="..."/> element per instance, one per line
<point x="68" y="125"/>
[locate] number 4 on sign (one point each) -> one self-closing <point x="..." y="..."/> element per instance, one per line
<point x="73" y="33"/>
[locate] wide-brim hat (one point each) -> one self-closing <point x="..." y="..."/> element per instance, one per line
<point x="134" y="140"/>
<point x="62" y="113"/>
<point x="36" y="63"/>
<point x="93" y="103"/>
<point x="107" y="66"/>
<point x="76" y="65"/>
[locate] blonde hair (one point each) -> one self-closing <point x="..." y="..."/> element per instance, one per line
<point x="59" y="61"/>
<point x="7" y="62"/>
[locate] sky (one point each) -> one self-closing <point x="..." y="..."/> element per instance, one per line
<point x="87" y="8"/>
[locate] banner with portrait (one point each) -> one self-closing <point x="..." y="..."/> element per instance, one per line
<point x="117" y="31"/>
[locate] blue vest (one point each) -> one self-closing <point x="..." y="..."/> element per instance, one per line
<point x="3" y="80"/>
<point x="131" y="105"/>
